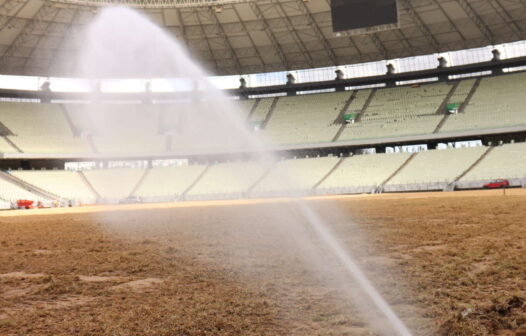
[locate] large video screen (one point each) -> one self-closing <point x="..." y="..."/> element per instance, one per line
<point x="359" y="14"/>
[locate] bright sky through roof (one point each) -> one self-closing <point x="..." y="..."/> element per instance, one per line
<point x="508" y="50"/>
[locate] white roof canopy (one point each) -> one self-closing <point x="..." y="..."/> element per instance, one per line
<point x="39" y="37"/>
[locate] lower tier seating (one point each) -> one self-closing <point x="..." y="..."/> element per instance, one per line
<point x="168" y="183"/>
<point x="114" y="185"/>
<point x="363" y="172"/>
<point x="233" y="178"/>
<point x="356" y="174"/>
<point x="507" y="161"/>
<point x="63" y="183"/>
<point x="11" y="192"/>
<point x="438" y="166"/>
<point x="295" y="175"/>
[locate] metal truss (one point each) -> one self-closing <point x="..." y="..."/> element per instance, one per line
<point x="152" y="3"/>
<point x="30" y="35"/>
<point x="420" y="24"/>
<point x="470" y="12"/>
<point x="319" y="34"/>
<point x="252" y="36"/>
<point x="271" y="36"/>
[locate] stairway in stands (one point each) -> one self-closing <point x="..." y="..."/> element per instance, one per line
<point x="462" y="107"/>
<point x="451" y="186"/>
<point x="270" y="112"/>
<point x="90" y="186"/>
<point x="380" y="188"/>
<point x="358" y="117"/>
<point x="29" y="187"/>
<point x="333" y="169"/>
<point x="442" y="107"/>
<point x="194" y="183"/>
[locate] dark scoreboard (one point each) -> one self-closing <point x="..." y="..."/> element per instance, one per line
<point x="360" y="14"/>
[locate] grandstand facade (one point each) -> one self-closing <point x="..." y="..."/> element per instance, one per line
<point x="343" y="142"/>
<point x="438" y="128"/>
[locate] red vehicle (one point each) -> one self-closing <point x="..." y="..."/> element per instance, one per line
<point x="25" y="204"/>
<point x="497" y="184"/>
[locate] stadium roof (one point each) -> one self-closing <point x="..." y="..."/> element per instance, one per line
<point x="40" y="37"/>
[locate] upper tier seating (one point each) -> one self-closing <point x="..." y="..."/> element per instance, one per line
<point x="120" y="128"/>
<point x="40" y="128"/>
<point x="498" y="102"/>
<point x="66" y="184"/>
<point x="387" y="128"/>
<point x="262" y="110"/>
<point x="111" y="119"/>
<point x="11" y="192"/>
<point x="30" y="119"/>
<point x="400" y="111"/>
<point x="306" y="118"/>
<point x="436" y="166"/>
<point x="295" y="175"/>
<point x="168" y="182"/>
<point x="358" y="103"/>
<point x="234" y="178"/>
<point x="244" y="107"/>
<point x="114" y="184"/>
<point x="462" y="91"/>
<point x="5" y="147"/>
<point x="367" y="171"/>
<point x="128" y="144"/>
<point x="178" y="127"/>
<point x="507" y="161"/>
<point x="52" y="144"/>
<point x="407" y="101"/>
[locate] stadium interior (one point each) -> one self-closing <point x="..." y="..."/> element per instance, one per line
<point x="346" y="142"/>
<point x="262" y="167"/>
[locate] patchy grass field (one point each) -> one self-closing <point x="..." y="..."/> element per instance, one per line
<point x="449" y="266"/>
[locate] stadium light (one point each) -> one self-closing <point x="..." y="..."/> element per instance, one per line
<point x="242" y="83"/>
<point x="218" y="9"/>
<point x="339" y="74"/>
<point x="442" y="62"/>
<point x="496" y="55"/>
<point x="290" y="79"/>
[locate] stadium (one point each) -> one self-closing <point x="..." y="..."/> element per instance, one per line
<point x="269" y="167"/>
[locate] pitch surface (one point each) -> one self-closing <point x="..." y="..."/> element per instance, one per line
<point x="456" y="267"/>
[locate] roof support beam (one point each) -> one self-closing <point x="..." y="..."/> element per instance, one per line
<point x="457" y="30"/>
<point x="405" y="42"/>
<point x="181" y="27"/>
<point x="273" y="40"/>
<point x="196" y="13"/>
<point x="249" y="36"/>
<point x="477" y="20"/>
<point x="7" y="7"/>
<point x="35" y="24"/>
<point x="294" y="33"/>
<point x="506" y="17"/>
<point x="45" y="27"/>
<point x="316" y="28"/>
<point x="421" y="25"/>
<point x="379" y="45"/>
<point x="217" y="23"/>
<point x="67" y="32"/>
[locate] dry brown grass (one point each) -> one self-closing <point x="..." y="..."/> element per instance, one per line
<point x="456" y="266"/>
